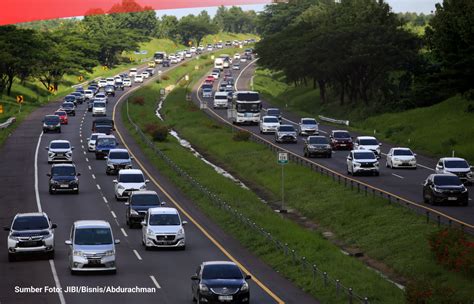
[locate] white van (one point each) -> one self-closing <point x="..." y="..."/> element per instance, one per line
<point x="133" y="72"/>
<point x="219" y="63"/>
<point x="221" y="100"/>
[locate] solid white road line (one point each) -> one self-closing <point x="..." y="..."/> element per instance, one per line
<point x="124" y="233"/>
<point x="105" y="199"/>
<point x="155" y="282"/>
<point x="113" y="214"/>
<point x="136" y="254"/>
<point x="397" y="175"/>
<point x="62" y="300"/>
<point x="98" y="187"/>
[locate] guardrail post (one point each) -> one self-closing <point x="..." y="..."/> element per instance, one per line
<point x="358" y="187"/>
<point x="366" y="300"/>
<point x="439" y="220"/>
<point x="389" y="198"/>
<point x="325" y="276"/>
<point x="286" y="249"/>
<point x="350" y="295"/>
<point x="303" y="263"/>
<point x="365" y="190"/>
<point x="337" y="288"/>
<point x="293" y="255"/>
<point x="427" y="216"/>
<point x="315" y="272"/>
<point x="450" y="222"/>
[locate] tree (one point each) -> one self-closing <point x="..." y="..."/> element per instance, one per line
<point x="192" y="27"/>
<point x="167" y="27"/>
<point x="130" y="15"/>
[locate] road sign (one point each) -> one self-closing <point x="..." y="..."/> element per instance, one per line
<point x="20" y="99"/>
<point x="1" y="109"/>
<point x="51" y="88"/>
<point x="196" y="67"/>
<point x="212" y="57"/>
<point x="80" y="78"/>
<point x="131" y="59"/>
<point x="186" y="77"/>
<point x="282" y="158"/>
<point x="190" y="43"/>
<point x="105" y="68"/>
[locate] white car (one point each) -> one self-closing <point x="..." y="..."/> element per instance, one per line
<point x="99" y="108"/>
<point x="237" y="56"/>
<point x="243" y="59"/>
<point x="163" y="227"/>
<point x="269" y="124"/>
<point x="215" y="75"/>
<point x="173" y="59"/>
<point x="102" y="83"/>
<point x="110" y="81"/>
<point x="138" y="78"/>
<point x="88" y="94"/>
<point x="400" y="157"/>
<point x="236" y="66"/>
<point x="91" y="141"/>
<point x="59" y="151"/>
<point x="145" y="74"/>
<point x="101" y="97"/>
<point x="362" y="161"/>
<point x="127" y="82"/>
<point x="457" y="166"/>
<point x="367" y="143"/>
<point x="209" y="48"/>
<point x="308" y="126"/>
<point x="133" y="72"/>
<point x="129" y="180"/>
<point x="192" y="49"/>
<point x="188" y="55"/>
<point x="221" y="100"/>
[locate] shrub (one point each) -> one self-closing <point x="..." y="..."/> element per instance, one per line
<point x="422" y="292"/>
<point x="165" y="77"/>
<point x="241" y="136"/>
<point x="160" y="133"/>
<point x="150" y="128"/>
<point x="139" y="100"/>
<point x="452" y="250"/>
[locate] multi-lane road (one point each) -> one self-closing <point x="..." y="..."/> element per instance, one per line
<point x="164" y="274"/>
<point x="400" y="182"/>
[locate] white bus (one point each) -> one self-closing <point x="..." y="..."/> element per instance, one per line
<point x="159" y="57"/>
<point x="246" y="106"/>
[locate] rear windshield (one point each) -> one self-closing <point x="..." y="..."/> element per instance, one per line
<point x="119" y="155"/>
<point x="93" y="236"/>
<point x="458" y="164"/>
<point x="287" y="128"/>
<point x="318" y="141"/>
<point x="30" y="223"/>
<point x="221" y="96"/>
<point x="225" y="271"/>
<point x="106" y="141"/>
<point x="309" y="121"/>
<point x="248" y="97"/>
<point x="341" y="135"/>
<point x="68" y="105"/>
<point x="145" y="200"/>
<point x="51" y="119"/>
<point x="273" y="112"/>
<point x="99" y="104"/>
<point x="271" y="119"/>
<point x="447" y="180"/>
<point x="131" y="178"/>
<point x="402" y="152"/>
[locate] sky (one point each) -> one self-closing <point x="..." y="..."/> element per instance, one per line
<point x="417" y="6"/>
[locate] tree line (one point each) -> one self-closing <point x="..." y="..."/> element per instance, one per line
<point x="48" y="50"/>
<point x="360" y="52"/>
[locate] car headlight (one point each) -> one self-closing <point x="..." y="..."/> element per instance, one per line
<point x="13" y="238"/>
<point x="396" y="159"/>
<point x="436" y="189"/>
<point x="150" y="232"/>
<point x="111" y="166"/>
<point x="51" y="154"/>
<point x="109" y="252"/>
<point x="133" y="211"/>
<point x="356" y="164"/>
<point x="203" y="288"/>
<point x="78" y="253"/>
<point x="245" y="287"/>
<point x="180" y="231"/>
<point x="120" y="187"/>
<point x="376" y="164"/>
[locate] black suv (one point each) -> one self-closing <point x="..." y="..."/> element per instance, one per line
<point x="63" y="177"/>
<point x="216" y="282"/>
<point x="445" y="188"/>
<point x="166" y="63"/>
<point x="317" y="145"/>
<point x="69" y="108"/>
<point x="109" y="90"/>
<point x="138" y="204"/>
<point x="51" y="123"/>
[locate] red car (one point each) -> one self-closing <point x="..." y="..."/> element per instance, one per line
<point x="210" y="78"/>
<point x="62" y="117"/>
<point x="341" y="140"/>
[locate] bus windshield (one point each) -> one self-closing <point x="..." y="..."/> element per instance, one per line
<point x="248" y="107"/>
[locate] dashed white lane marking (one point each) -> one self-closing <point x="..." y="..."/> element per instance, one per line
<point x="105" y="199"/>
<point x="137" y="255"/>
<point x="113" y="214"/>
<point x="425" y="167"/>
<point x="98" y="186"/>
<point x="90" y="168"/>
<point x="84" y="152"/>
<point x="87" y="159"/>
<point x="93" y="176"/>
<point x="82" y="146"/>
<point x="399" y="176"/>
<point x="155" y="282"/>
<point x="81" y="141"/>
<point x="123" y="232"/>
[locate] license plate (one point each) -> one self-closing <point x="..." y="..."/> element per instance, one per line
<point x="64" y="186"/>
<point x="225" y="298"/>
<point x="29" y="243"/>
<point x="343" y="145"/>
<point x="452" y="198"/>
<point x="94" y="262"/>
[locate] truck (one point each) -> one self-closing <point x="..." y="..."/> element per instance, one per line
<point x="159" y="57"/>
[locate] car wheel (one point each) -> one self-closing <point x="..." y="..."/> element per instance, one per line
<point x="51" y="255"/>
<point x="330" y="155"/>
<point x="432" y="201"/>
<point x="377" y="173"/>
<point x="51" y="191"/>
<point x="465" y="203"/>
<point x="348" y="171"/>
<point x="11" y="257"/>
<point x="76" y="192"/>
<point x="113" y="271"/>
<point x="59" y="131"/>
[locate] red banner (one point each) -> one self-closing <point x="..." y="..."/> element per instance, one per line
<point x="16" y="11"/>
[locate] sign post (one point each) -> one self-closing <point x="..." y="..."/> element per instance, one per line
<point x="20" y="100"/>
<point x="282" y="160"/>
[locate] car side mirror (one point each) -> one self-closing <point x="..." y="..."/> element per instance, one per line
<point x="115" y="181"/>
<point x="127" y="204"/>
<point x="54" y="226"/>
<point x="6" y="228"/>
<point x="195" y="277"/>
<point x="472" y="168"/>
<point x="248" y="277"/>
<point x="48" y="174"/>
<point x="72" y="148"/>
<point x="349" y="158"/>
<point x="143" y="223"/>
<point x="117" y="241"/>
<point x="88" y="139"/>
<point x="184" y="223"/>
<point x="47" y="148"/>
<point x="147" y="181"/>
<point x="380" y="144"/>
<point x="106" y="157"/>
<point x="132" y="158"/>
<point x="162" y="203"/>
<point x="68" y="242"/>
<point x="414" y="154"/>
<point x="78" y="174"/>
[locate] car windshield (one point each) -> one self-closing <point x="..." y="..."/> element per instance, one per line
<point x="94" y="136"/>
<point x="220" y="96"/>
<point x="341" y="135"/>
<point x="164" y="220"/>
<point x="456" y="164"/>
<point x="223" y="271"/>
<point x="118" y="155"/>
<point x="309" y="121"/>
<point x="63" y="171"/>
<point x="103" y="129"/>
<point x="70" y="98"/>
<point x="248" y="107"/>
<point x="106" y="141"/>
<point x="447" y="180"/>
<point x="271" y="119"/>
<point x="273" y="112"/>
<point x="51" y="119"/>
<point x="30" y="223"/>
<point x="92" y="236"/>
<point x="100" y="95"/>
<point x="60" y="113"/>
<point x="145" y="200"/>
<point x="109" y="87"/>
<point x="402" y="152"/>
<point x="88" y="92"/>
<point x="368" y="142"/>
<point x="99" y="104"/>
<point x="287" y="129"/>
<point x="60" y="145"/>
<point x="131" y="178"/>
<point x="318" y="141"/>
<point x="364" y="155"/>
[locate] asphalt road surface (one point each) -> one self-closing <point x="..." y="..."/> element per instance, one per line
<point x="24" y="188"/>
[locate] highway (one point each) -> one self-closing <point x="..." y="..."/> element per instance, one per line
<point x="401" y="182"/>
<point x="166" y="273"/>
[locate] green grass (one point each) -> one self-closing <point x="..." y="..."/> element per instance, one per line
<point x="387" y="233"/>
<point x="435" y="130"/>
<point x="226" y="37"/>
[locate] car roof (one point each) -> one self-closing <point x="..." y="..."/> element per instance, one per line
<point x="91" y="224"/>
<point x="254" y="92"/>
<point x="366" y="137"/>
<point x="269" y="116"/>
<point x="143" y="192"/>
<point x="287" y="125"/>
<point x="222" y="93"/>
<point x="401" y="148"/>
<point x="441" y="174"/>
<point x="59" y="141"/>
<point x="218" y="263"/>
<point x="363" y="150"/>
<point x="451" y="158"/>
<point x="162" y="210"/>
<point x="273" y="109"/>
<point x="130" y="171"/>
<point x="106" y="136"/>
<point x="334" y="131"/>
<point x="31" y="214"/>
<point x="97" y="134"/>
<point x="310" y="118"/>
<point x="316" y="136"/>
<point x="63" y="165"/>
<point x="118" y="150"/>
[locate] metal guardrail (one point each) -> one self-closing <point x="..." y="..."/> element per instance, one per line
<point x="336" y="121"/>
<point x="317" y="275"/>
<point x="7" y="123"/>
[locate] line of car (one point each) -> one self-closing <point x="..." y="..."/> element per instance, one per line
<point x="91" y="243"/>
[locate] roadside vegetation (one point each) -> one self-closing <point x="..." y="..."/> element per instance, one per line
<point x="393" y="238"/>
